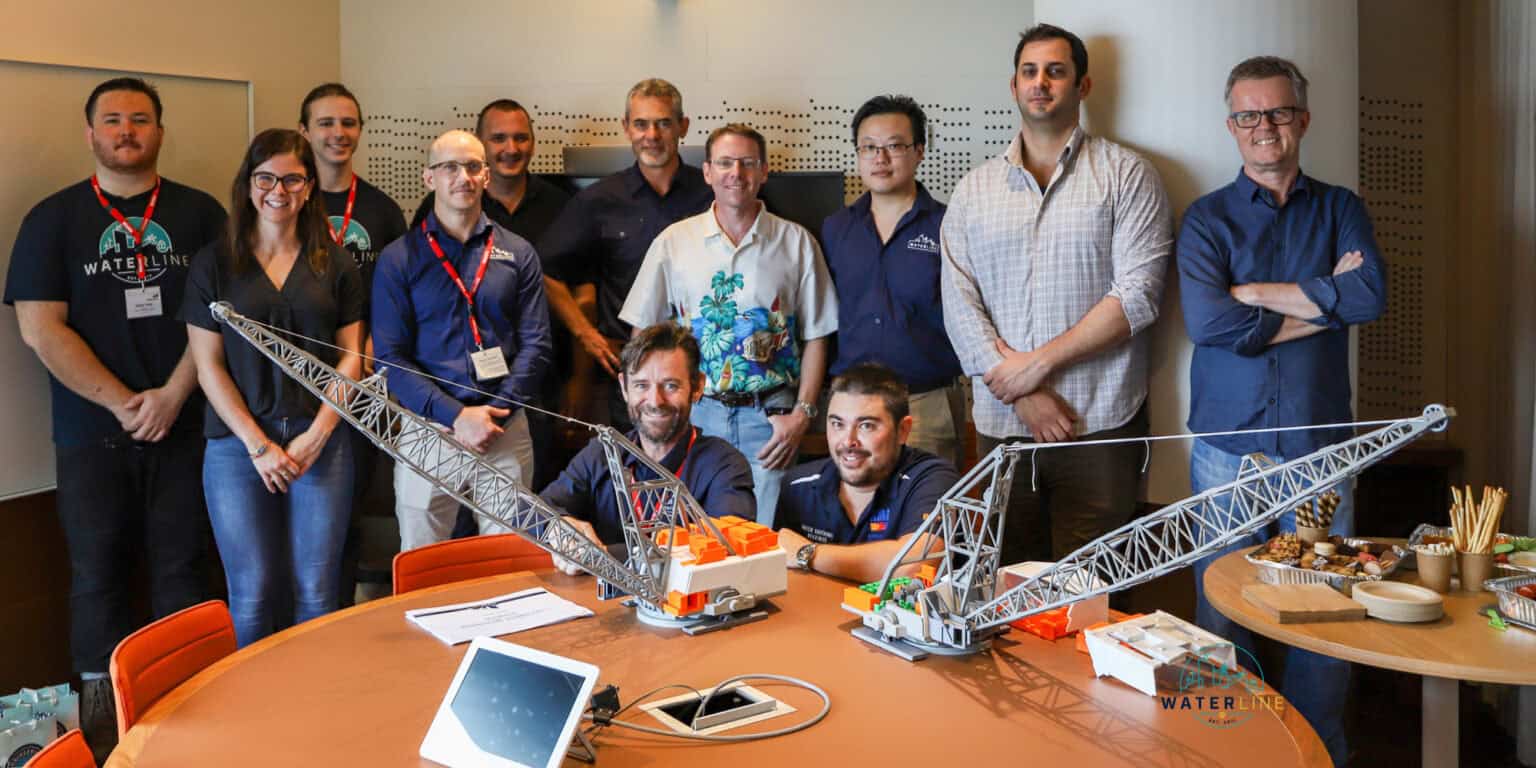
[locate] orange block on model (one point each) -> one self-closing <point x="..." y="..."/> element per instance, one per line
<point x="1050" y="625"/>
<point x="926" y="573"/>
<point x="705" y="550"/>
<point x="749" y="538"/>
<point x="665" y="537"/>
<point x="859" y="599"/>
<point x="679" y="604"/>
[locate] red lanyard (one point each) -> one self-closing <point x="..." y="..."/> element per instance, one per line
<point x="346" y="218"/>
<point x="138" y="234"/>
<point x="634" y="495"/>
<point x="469" y="293"/>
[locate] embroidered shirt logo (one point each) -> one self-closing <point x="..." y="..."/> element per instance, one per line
<point x="923" y="243"/>
<point x="880" y="521"/>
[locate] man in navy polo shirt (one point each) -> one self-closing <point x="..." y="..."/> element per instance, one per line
<point x="461" y="299"/>
<point x="661" y="382"/>
<point x="1273" y="270"/>
<point x="602" y="235"/>
<point x="848" y="514"/>
<point x="883" y="255"/>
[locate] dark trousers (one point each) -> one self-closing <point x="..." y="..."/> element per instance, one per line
<point x="1063" y="498"/>
<point x="116" y="499"/>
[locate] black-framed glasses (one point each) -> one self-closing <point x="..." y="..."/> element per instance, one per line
<point x="1278" y="116"/>
<point x="452" y="167"/>
<point x="726" y="163"/>
<point x="893" y="149"/>
<point x="266" y="182"/>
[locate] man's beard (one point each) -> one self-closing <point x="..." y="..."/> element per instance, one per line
<point x="665" y="433"/>
<point x="105" y="155"/>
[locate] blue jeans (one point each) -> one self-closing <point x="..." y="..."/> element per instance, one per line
<point x="1315" y="684"/>
<point x="747" y="428"/>
<point x="270" y="540"/>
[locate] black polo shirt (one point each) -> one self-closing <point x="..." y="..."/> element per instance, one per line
<point x="376" y="222"/>
<point x="715" y="473"/>
<point x="889" y="310"/>
<point x="602" y="235"/>
<point x="70" y="249"/>
<point x="310" y="304"/>
<point x="809" y="503"/>
<point x="541" y="204"/>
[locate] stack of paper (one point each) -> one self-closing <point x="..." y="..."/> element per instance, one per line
<point x="537" y="607"/>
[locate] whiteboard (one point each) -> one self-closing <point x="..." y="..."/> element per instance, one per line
<point x="207" y="128"/>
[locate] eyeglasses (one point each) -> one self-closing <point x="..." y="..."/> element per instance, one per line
<point x="893" y="149"/>
<point x="727" y="163"/>
<point x="266" y="182"/>
<point x="1277" y="116"/>
<point x="451" y="168"/>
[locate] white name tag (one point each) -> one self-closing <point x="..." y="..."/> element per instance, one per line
<point x="143" y="302"/>
<point x="489" y="364"/>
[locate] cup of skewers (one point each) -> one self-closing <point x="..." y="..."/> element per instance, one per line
<point x="1314" y="517"/>
<point x="1475" y="524"/>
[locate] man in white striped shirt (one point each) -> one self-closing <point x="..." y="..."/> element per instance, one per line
<point x="1054" y="258"/>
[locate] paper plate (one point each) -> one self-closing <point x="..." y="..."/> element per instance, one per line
<point x="1396" y="601"/>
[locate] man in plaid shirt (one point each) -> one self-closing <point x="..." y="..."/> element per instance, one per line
<point x="1054" y="259"/>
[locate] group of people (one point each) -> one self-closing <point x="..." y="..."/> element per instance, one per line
<point x="718" y="323"/>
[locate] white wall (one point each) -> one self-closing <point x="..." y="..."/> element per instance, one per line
<point x="798" y="68"/>
<point x="1159" y="69"/>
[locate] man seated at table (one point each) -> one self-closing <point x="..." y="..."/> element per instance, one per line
<point x="660" y="382"/>
<point x="848" y="514"/>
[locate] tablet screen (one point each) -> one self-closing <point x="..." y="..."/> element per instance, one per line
<point x="516" y="709"/>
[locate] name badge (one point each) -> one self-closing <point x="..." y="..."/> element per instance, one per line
<point x="143" y="302"/>
<point x="489" y="364"/>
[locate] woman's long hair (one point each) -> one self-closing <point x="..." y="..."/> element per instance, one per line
<point x="311" y="226"/>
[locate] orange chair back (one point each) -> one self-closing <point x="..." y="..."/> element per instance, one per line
<point x="67" y="751"/>
<point x="150" y="662"/>
<point x="459" y="559"/>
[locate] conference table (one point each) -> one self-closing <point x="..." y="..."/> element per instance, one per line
<point x="360" y="686"/>
<point x="1459" y="646"/>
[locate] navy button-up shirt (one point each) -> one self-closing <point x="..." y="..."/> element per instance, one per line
<point x="888" y="303"/>
<point x="421" y="320"/>
<point x="604" y="231"/>
<point x="809" y="500"/>
<point x="1238" y="380"/>
<point x="715" y="473"/>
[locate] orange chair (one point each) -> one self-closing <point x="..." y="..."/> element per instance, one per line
<point x="147" y="664"/>
<point x="67" y="751"/>
<point x="458" y="559"/>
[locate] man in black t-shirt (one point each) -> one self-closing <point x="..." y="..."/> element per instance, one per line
<point x="362" y="219"/>
<point x="96" y="277"/>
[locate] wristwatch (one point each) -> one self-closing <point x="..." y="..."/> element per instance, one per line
<point x="806" y="408"/>
<point x="804" y="556"/>
<point x="262" y="451"/>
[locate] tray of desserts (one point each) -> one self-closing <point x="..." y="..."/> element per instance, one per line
<point x="1511" y="554"/>
<point x="1337" y="561"/>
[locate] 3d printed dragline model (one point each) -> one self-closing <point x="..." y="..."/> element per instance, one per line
<point x="684" y="568"/>
<point x="953" y="604"/>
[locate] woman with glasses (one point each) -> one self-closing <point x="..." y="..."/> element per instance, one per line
<point x="277" y="480"/>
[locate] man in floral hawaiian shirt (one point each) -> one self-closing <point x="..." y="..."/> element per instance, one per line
<point x="755" y="291"/>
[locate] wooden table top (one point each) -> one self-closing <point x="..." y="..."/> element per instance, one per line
<point x="359" y="687"/>
<point x="1460" y="645"/>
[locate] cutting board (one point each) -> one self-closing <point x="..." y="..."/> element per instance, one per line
<point x="1302" y="603"/>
